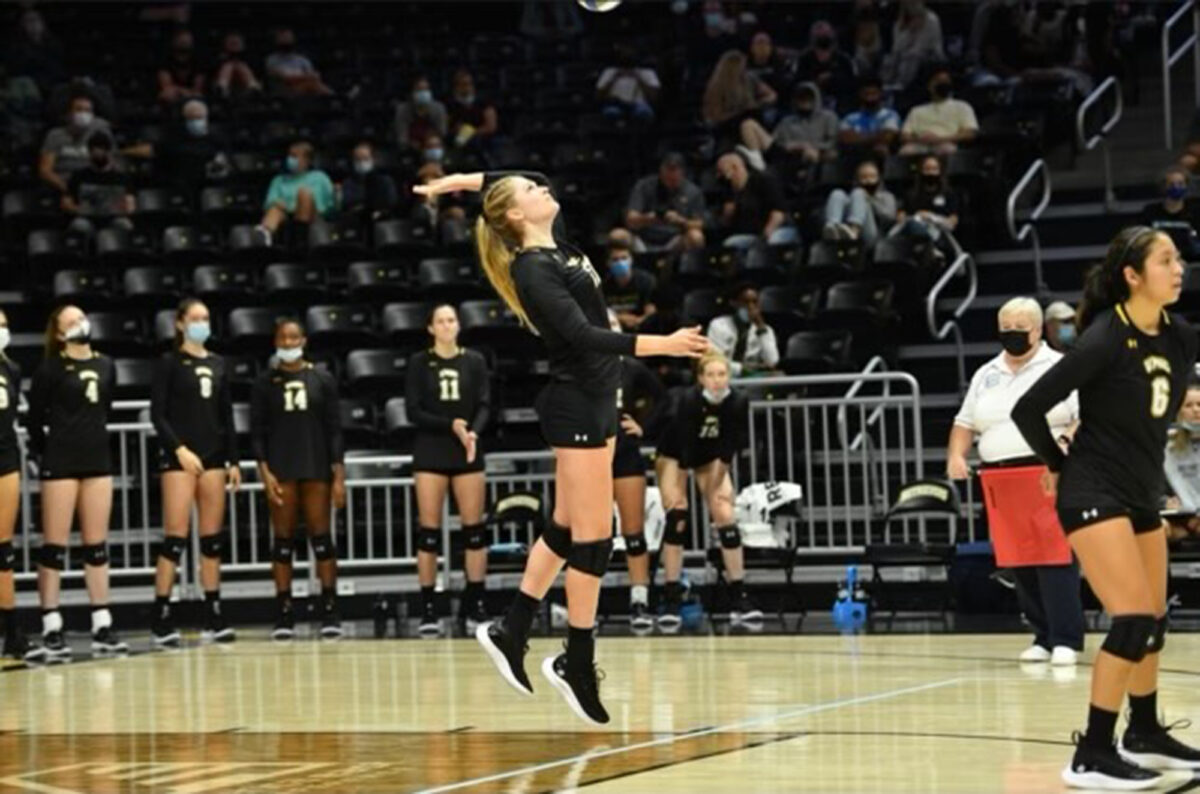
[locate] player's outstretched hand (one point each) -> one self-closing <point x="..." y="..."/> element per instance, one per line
<point x="687" y="342"/>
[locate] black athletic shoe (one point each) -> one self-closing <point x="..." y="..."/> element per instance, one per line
<point x="16" y="644"/>
<point x="506" y="654"/>
<point x="672" y="607"/>
<point x="163" y="632"/>
<point x="640" y="619"/>
<point x="744" y="610"/>
<point x="1104" y="768"/>
<point x="285" y="626"/>
<point x="430" y="625"/>
<point x="216" y="629"/>
<point x="331" y="623"/>
<point x="580" y="689"/>
<point x="473" y="615"/>
<point x="55" y="646"/>
<point x="1159" y="750"/>
<point x="105" y="640"/>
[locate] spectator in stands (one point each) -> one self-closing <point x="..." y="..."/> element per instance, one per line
<point x="867" y="38"/>
<point x="303" y="193"/>
<point x="433" y="149"/>
<point x="666" y="210"/>
<point x="289" y="72"/>
<point x="1060" y="326"/>
<point x="873" y="128"/>
<point x="1176" y="214"/>
<point x="744" y="336"/>
<point x="181" y="77"/>
<point x="916" y="41"/>
<point x="192" y="154"/>
<point x="420" y="116"/>
<point x="807" y="135"/>
<point x="1182" y="467"/>
<point x="754" y="204"/>
<point x="234" y="76"/>
<point x="825" y="64"/>
<point x="64" y="150"/>
<point x="930" y="210"/>
<point x="472" y="122"/>
<point x="864" y="213"/>
<point x="733" y="95"/>
<point x="368" y="193"/>
<point x="628" y="90"/>
<point x="940" y="125"/>
<point x="99" y="192"/>
<point x="34" y="52"/>
<point x="1048" y="594"/>
<point x="772" y="66"/>
<point x="628" y="291"/>
<point x="443" y="215"/>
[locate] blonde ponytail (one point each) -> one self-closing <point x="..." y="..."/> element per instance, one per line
<point x="496" y="242"/>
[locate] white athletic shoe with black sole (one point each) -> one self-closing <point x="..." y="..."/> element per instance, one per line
<point x="504" y="652"/>
<point x="1103" y="769"/>
<point x="1159" y="750"/>
<point x="581" y="691"/>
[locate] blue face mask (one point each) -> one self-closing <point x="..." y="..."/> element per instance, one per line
<point x="292" y="164"/>
<point x="743" y="315"/>
<point x="620" y="268"/>
<point x="1176" y="192"/>
<point x="714" y="19"/>
<point x="197" y="333"/>
<point x="1066" y="335"/>
<point x="197" y="127"/>
<point x="434" y="155"/>
<point x="289" y="355"/>
<point x="423" y="97"/>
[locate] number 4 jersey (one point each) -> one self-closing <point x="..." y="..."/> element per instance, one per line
<point x="1130" y="387"/>
<point x="68" y="416"/>
<point x="295" y="423"/>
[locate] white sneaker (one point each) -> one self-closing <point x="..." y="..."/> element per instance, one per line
<point x="1035" y="653"/>
<point x="1063" y="656"/>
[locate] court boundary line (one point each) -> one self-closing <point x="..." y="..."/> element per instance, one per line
<point x="733" y="726"/>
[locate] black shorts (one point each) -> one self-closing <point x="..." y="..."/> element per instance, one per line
<point x="169" y="461"/>
<point x="627" y="459"/>
<point x="571" y="416"/>
<point x="1145" y="518"/>
<point x="59" y="465"/>
<point x="444" y="454"/>
<point x="10" y="461"/>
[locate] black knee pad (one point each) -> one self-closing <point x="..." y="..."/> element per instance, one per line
<point x="635" y="545"/>
<point x="1160" y="634"/>
<point x="172" y="548"/>
<point x="53" y="556"/>
<point x="322" y="546"/>
<point x="558" y="539"/>
<point x="730" y="537"/>
<point x="590" y="558"/>
<point x="212" y="545"/>
<point x="475" y="536"/>
<point x="95" y="554"/>
<point x="282" y="550"/>
<point x="1130" y="637"/>
<point x="675" y="533"/>
<point x="8" y="557"/>
<point x="429" y="540"/>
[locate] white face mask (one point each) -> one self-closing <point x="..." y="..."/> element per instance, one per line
<point x="82" y="118"/>
<point x="5" y="337"/>
<point x="715" y="397"/>
<point x="289" y="355"/>
<point x="80" y="334"/>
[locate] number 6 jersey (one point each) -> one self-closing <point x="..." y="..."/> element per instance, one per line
<point x="295" y="423"/>
<point x="68" y="416"/>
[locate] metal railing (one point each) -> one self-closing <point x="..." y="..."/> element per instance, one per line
<point x="1171" y="57"/>
<point x="1028" y="228"/>
<point x="1110" y="196"/>
<point x="964" y="263"/>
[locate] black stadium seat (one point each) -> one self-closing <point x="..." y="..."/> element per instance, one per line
<point x="449" y="280"/>
<point x="406" y="324"/>
<point x="340" y="326"/>
<point x="814" y="352"/>
<point x="376" y="372"/>
<point x="119" y="333"/>
<point x="251" y="329"/>
<point x="85" y="288"/>
<point x="148" y="287"/>
<point x="378" y="282"/>
<point x="134" y="377"/>
<point x="184" y="246"/>
<point x="223" y="285"/>
<point x="290" y="283"/>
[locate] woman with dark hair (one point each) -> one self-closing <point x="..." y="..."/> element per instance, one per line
<point x="448" y="399"/>
<point x="12" y="638"/>
<point x="191" y="407"/>
<point x="1130" y="367"/>
<point x="930" y="209"/>
<point x="69" y="446"/>
<point x="297" y="434"/>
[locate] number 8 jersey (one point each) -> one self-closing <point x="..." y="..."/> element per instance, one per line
<point x="191" y="405"/>
<point x="295" y="423"/>
<point x="68" y="416"/>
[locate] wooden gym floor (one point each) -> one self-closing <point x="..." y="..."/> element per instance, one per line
<point x="691" y="713"/>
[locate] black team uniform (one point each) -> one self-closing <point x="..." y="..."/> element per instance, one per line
<point x="643" y="397"/>
<point x="15" y="645"/>
<point x="1130" y="388"/>
<point x="191" y="405"/>
<point x="438" y="391"/>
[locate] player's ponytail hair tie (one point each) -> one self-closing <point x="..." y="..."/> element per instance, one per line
<point x="1105" y="285"/>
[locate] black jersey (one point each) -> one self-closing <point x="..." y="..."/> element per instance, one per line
<point x="69" y="402"/>
<point x="560" y="292"/>
<point x="440" y="390"/>
<point x="1130" y="388"/>
<point x="642" y="396"/>
<point x="10" y="396"/>
<point x="295" y="423"/>
<point x="191" y="405"/>
<point x="702" y="432"/>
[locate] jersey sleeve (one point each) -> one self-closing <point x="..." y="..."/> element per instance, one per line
<point x="260" y="409"/>
<point x="160" y="395"/>
<point x="738" y="422"/>
<point x="110" y="384"/>
<point x="543" y="292"/>
<point x="647" y="383"/>
<point x="225" y="412"/>
<point x="414" y="399"/>
<point x="39" y="406"/>
<point x="1085" y="362"/>
<point x="333" y="420"/>
<point x="483" y="406"/>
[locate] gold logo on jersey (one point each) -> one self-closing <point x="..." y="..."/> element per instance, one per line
<point x="1155" y="364"/>
<point x="586" y="264"/>
<point x="1131" y="344"/>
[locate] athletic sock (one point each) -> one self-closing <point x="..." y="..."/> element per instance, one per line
<point x="212" y="601"/>
<point x="473" y="593"/>
<point x="8" y="622"/>
<point x="51" y="620"/>
<point x="328" y="596"/>
<point x="162" y="606"/>
<point x="737" y="588"/>
<point x="426" y="596"/>
<point x="283" y="598"/>
<point x="1100" y="727"/>
<point x="520" y="614"/>
<point x="639" y="594"/>
<point x="101" y="618"/>
<point x="1143" y="712"/>
<point x="581" y="649"/>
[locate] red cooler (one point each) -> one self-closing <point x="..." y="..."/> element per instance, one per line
<point x="1021" y="518"/>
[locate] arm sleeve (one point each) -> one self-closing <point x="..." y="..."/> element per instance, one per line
<point x="160" y="395"/>
<point x="653" y="388"/>
<point x="1087" y="360"/>
<point x="333" y="420"/>
<point x="414" y="404"/>
<point x="540" y="285"/>
<point x="483" y="408"/>
<point x="110" y="385"/>
<point x="35" y="419"/>
<point x="260" y="407"/>
<point x="739" y="423"/>
<point x="225" y="409"/>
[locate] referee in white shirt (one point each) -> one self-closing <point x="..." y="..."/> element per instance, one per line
<point x="1048" y="594"/>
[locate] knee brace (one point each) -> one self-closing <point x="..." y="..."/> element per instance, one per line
<point x="282" y="550"/>
<point x="53" y="556"/>
<point x="590" y="558"/>
<point x="1160" y="635"/>
<point x="635" y="544"/>
<point x="675" y="532"/>
<point x="730" y="537"/>
<point x="429" y="540"/>
<point x="172" y="548"/>
<point x="95" y="554"/>
<point x="322" y="546"/>
<point x="1130" y="637"/>
<point x="212" y="545"/>
<point x="558" y="539"/>
<point x="475" y="536"/>
<point x="8" y="557"/>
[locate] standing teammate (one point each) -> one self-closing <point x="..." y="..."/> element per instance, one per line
<point x="707" y="429"/>
<point x="447" y="398"/>
<point x="15" y="645"/>
<point x="1131" y="367"/>
<point x="297" y="435"/>
<point x="68" y="442"/>
<point x="554" y="289"/>
<point x="192" y="411"/>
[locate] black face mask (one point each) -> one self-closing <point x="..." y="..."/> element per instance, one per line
<point x="941" y="90"/>
<point x="870" y="187"/>
<point x="823" y="42"/>
<point x="101" y="162"/>
<point x="804" y="112"/>
<point x="932" y="182"/>
<point x="1015" y="343"/>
